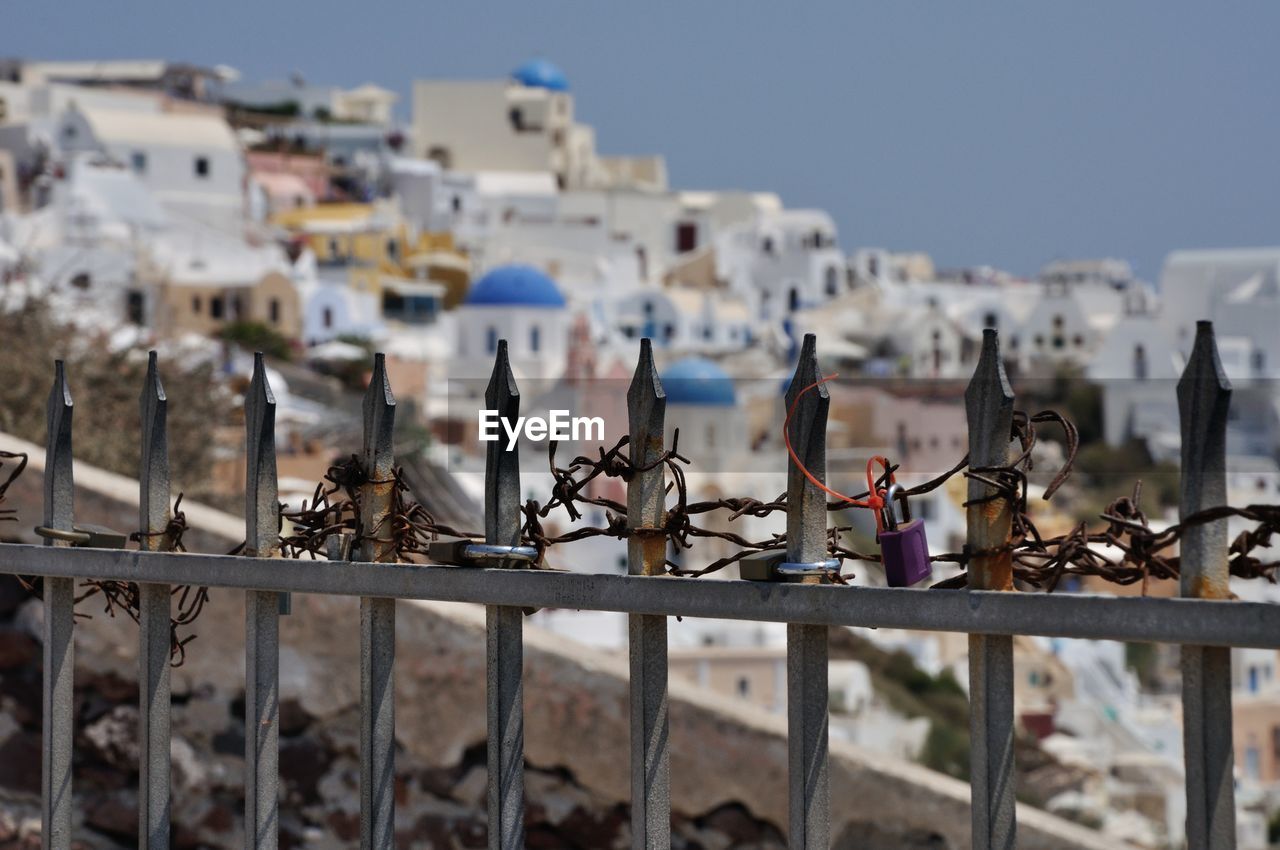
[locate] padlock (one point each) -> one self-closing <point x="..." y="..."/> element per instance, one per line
<point x="86" y="536"/>
<point x="904" y="550"/>
<point x="772" y="565"/>
<point x="761" y="566"/>
<point x="464" y="552"/>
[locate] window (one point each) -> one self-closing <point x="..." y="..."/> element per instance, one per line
<point x="491" y="341"/>
<point x="393" y="250"/>
<point x="216" y="307"/>
<point x="273" y="311"/>
<point x="744" y="686"/>
<point x="442" y="156"/>
<point x="833" y="281"/>
<point x="81" y="280"/>
<point x="991" y="320"/>
<point x="1139" y="362"/>
<point x="327" y="317"/>
<point x="197" y="304"/>
<point x="139" y="162"/>
<point x="686" y="237"/>
<point x="135" y="307"/>
<point x="535" y="338"/>
<point x="1077" y="341"/>
<point x="1259" y="360"/>
<point x="793" y="299"/>
<point x="202" y="167"/>
<point x="766" y="245"/>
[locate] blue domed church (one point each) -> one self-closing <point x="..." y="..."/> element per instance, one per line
<point x="524" y="306"/>
<point x="703" y="403"/>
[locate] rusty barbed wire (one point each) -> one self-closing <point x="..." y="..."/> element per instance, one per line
<point x="1039" y="562"/>
<point x="11" y="514"/>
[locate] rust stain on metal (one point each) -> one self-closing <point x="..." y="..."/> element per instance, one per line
<point x="653" y="550"/>
<point x="1208" y="588"/>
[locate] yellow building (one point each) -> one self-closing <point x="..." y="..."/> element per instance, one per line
<point x="378" y="248"/>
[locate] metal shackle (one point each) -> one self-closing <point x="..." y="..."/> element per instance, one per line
<point x="890" y="521"/>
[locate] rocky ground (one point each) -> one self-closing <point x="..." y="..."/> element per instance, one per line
<point x="438" y="806"/>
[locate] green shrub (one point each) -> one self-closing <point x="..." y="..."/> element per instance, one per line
<point x="256" y="336"/>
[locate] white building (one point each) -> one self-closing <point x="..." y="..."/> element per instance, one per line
<point x="190" y="162"/>
<point x="523" y="123"/>
<point x="782" y="262"/>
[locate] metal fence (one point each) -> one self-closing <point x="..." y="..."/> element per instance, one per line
<point x="989" y="610"/>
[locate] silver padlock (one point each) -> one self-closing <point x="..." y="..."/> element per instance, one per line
<point x="465" y="552"/>
<point x="772" y="565"/>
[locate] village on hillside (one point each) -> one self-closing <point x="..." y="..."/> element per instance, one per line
<point x="157" y="204"/>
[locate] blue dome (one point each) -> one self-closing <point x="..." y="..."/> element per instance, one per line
<point x="514" y="286"/>
<point x="696" y="380"/>
<point x="541" y="74"/>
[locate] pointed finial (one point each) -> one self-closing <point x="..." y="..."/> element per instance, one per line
<point x="502" y="461"/>
<point x="646" y="414"/>
<point x="379" y="463"/>
<point x="153" y="474"/>
<point x="379" y="419"/>
<point x="1204" y="400"/>
<point x="646" y="402"/>
<point x="58" y="482"/>
<point x="262" y="499"/>
<point x="988" y="403"/>
<point x="807" y="431"/>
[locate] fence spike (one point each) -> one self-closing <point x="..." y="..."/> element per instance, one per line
<point x="504" y="631"/>
<point x="807" y="715"/>
<point x="807" y="504"/>
<point x="153" y="503"/>
<point x="153" y="620"/>
<point x="379" y="463"/>
<point x="377" y="619"/>
<point x="262" y="498"/>
<point x="647" y="634"/>
<point x="646" y="414"/>
<point x="988" y="402"/>
<point x="59" y="615"/>
<point x="59" y="483"/>
<point x="1204" y="399"/>
<point x="502" y="466"/>
<point x="262" y="619"/>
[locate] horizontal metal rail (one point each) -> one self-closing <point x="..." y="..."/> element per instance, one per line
<point x="1200" y="622"/>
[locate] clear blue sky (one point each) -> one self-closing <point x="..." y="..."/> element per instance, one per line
<point x="990" y="132"/>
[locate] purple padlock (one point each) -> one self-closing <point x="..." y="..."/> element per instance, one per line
<point x="904" y="551"/>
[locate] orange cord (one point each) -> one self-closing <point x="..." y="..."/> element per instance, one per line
<point x="875" y="497"/>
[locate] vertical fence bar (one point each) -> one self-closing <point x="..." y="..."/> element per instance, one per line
<point x="647" y="555"/>
<point x="59" y="616"/>
<point x="153" y="621"/>
<point x="262" y="620"/>
<point x="377" y="621"/>
<point x="1204" y="397"/>
<point x="810" y="794"/>
<point x="993" y="782"/>
<point x="504" y="639"/>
